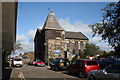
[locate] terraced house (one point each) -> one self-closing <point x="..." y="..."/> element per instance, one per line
<point x="52" y="41"/>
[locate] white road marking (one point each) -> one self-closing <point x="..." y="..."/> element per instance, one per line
<point x="20" y="75"/>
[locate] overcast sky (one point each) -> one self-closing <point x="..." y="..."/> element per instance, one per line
<point x="72" y="16"/>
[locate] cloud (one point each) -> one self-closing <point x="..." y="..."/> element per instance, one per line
<point x="27" y="47"/>
<point x="20" y="38"/>
<point x="78" y="26"/>
<point x="31" y="35"/>
<point x="26" y="44"/>
<point x="95" y="40"/>
<point x="104" y="46"/>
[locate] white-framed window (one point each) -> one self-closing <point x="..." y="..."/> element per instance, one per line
<point x="84" y="45"/>
<point x="73" y="45"/>
<point x="66" y="44"/>
<point x="79" y="45"/>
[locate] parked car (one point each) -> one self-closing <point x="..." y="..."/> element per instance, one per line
<point x="40" y="63"/>
<point x="17" y="62"/>
<point x="116" y="60"/>
<point x="34" y="62"/>
<point x="82" y="67"/>
<point x="102" y="62"/>
<point x="59" y="64"/>
<point x="112" y="72"/>
<point x="29" y="63"/>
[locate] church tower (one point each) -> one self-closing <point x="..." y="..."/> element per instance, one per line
<point x="51" y="31"/>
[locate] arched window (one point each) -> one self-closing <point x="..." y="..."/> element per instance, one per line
<point x="66" y="45"/>
<point x="84" y="45"/>
<point x="78" y="45"/>
<point x="73" y="45"/>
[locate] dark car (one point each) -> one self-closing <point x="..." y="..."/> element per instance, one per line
<point x="29" y="63"/>
<point x="82" y="67"/>
<point x="102" y="62"/>
<point x="59" y="64"/>
<point x="111" y="72"/>
<point x="116" y="60"/>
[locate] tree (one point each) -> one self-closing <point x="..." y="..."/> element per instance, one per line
<point x="20" y="54"/>
<point x="91" y="49"/>
<point x="109" y="26"/>
<point x="18" y="46"/>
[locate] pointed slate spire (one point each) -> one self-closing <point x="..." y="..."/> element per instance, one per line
<point x="51" y="22"/>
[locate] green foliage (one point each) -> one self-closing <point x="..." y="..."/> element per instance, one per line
<point x="117" y="50"/>
<point x="107" y="54"/>
<point x="109" y="26"/>
<point x="20" y="54"/>
<point x="91" y="50"/>
<point x="51" y="59"/>
<point x="18" y="46"/>
<point x="7" y="53"/>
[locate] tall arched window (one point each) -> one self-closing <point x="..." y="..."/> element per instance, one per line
<point x="84" y="45"/>
<point x="73" y="45"/>
<point x="66" y="45"/>
<point x="78" y="45"/>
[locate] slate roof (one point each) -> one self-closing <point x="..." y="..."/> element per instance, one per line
<point x="75" y="35"/>
<point x="52" y="23"/>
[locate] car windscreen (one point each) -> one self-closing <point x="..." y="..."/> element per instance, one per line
<point x="91" y="63"/>
<point x="17" y="59"/>
<point x="118" y="59"/>
<point x="57" y="59"/>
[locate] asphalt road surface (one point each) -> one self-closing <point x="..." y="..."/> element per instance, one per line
<point x="40" y="73"/>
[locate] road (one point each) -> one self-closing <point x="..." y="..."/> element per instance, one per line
<point x="40" y="73"/>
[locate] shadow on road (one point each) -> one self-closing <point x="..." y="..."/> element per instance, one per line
<point x="74" y="75"/>
<point x="6" y="74"/>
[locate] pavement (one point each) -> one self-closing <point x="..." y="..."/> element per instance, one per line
<point x="6" y="73"/>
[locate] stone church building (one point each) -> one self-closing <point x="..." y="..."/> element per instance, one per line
<point x="52" y="41"/>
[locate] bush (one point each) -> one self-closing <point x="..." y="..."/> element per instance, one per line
<point x="51" y="59"/>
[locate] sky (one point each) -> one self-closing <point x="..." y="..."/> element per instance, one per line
<point x="72" y="16"/>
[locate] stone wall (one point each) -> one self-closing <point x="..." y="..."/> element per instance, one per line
<point x="60" y="44"/>
<point x="56" y="45"/>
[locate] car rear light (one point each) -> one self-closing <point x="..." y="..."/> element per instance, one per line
<point x="61" y="64"/>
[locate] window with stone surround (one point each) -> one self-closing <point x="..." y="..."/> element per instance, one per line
<point x="84" y="45"/>
<point x="73" y="45"/>
<point x="66" y="44"/>
<point x="79" y="45"/>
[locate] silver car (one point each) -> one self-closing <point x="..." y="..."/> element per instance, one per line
<point x="111" y="72"/>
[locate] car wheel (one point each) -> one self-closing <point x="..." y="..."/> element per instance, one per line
<point x="91" y="77"/>
<point x="51" y="68"/>
<point x="68" y="72"/>
<point x="81" y="74"/>
<point x="56" y="69"/>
